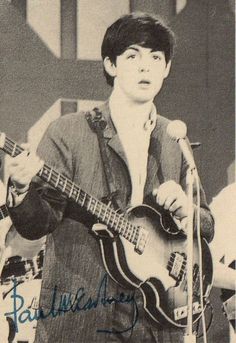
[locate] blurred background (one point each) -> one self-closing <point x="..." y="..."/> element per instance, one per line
<point x="50" y="65"/>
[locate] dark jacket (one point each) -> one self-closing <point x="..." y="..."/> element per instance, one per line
<point x="73" y="259"/>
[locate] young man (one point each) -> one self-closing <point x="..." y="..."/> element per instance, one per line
<point x="146" y="167"/>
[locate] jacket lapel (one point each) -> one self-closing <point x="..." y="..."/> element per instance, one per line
<point x="110" y="133"/>
<point x="154" y="158"/>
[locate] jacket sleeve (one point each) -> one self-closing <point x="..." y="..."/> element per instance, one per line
<point x="43" y="207"/>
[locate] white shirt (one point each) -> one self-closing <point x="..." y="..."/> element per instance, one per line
<point x="134" y="134"/>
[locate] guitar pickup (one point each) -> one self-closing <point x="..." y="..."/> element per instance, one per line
<point x="141" y="241"/>
<point x="182" y="312"/>
<point x="176" y="265"/>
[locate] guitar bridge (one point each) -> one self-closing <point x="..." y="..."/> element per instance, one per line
<point x="141" y="241"/>
<point x="182" y="312"/>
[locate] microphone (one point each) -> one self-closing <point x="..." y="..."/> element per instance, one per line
<point x="177" y="130"/>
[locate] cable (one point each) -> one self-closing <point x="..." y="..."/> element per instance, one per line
<point x="204" y="330"/>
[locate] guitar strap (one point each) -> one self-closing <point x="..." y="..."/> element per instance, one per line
<point x="98" y="124"/>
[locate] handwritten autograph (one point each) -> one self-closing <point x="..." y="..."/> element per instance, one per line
<point x="71" y="303"/>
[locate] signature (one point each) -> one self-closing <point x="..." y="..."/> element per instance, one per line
<point x="78" y="303"/>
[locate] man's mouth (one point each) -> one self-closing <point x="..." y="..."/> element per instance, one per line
<point x="144" y="82"/>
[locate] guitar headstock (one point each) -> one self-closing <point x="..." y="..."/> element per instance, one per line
<point x="2" y="139"/>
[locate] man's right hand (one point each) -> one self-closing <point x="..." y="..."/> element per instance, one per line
<point x="22" y="168"/>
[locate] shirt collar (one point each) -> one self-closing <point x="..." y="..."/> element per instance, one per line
<point x="151" y="122"/>
<point x="110" y="129"/>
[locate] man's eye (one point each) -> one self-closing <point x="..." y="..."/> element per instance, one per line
<point x="156" y="57"/>
<point x="131" y="56"/>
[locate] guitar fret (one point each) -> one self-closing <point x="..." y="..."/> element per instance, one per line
<point x="49" y="175"/>
<point x="133" y="233"/>
<point x="118" y="223"/>
<point x="13" y="150"/>
<point x="100" y="209"/>
<point x="104" y="216"/>
<point x="129" y="232"/>
<point x="136" y="234"/>
<point x="95" y="206"/>
<point x="114" y="217"/>
<point x="90" y="202"/>
<point x="83" y="201"/>
<point x="58" y="179"/>
<point x="78" y="194"/>
<point x="121" y="223"/>
<point x="64" y="187"/>
<point x="109" y="217"/>
<point x="71" y="190"/>
<point x="123" y="228"/>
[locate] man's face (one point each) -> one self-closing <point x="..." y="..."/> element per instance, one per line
<point x="139" y="73"/>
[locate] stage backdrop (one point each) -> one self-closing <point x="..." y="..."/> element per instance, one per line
<point x="51" y="65"/>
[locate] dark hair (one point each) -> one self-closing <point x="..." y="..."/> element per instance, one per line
<point x="144" y="29"/>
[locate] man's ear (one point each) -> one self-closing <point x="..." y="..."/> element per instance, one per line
<point x="167" y="71"/>
<point x="109" y="66"/>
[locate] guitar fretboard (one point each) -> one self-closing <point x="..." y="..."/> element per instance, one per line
<point x="104" y="213"/>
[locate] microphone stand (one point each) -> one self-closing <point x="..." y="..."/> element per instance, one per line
<point x="189" y="336"/>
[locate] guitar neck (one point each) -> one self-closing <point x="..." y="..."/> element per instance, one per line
<point x="3" y="212"/>
<point x="101" y="211"/>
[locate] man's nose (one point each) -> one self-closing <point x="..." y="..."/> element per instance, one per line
<point x="144" y="66"/>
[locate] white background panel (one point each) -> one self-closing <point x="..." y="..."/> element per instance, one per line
<point x="45" y="19"/>
<point x="93" y="18"/>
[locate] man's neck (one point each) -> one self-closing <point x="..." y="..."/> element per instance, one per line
<point x="125" y="110"/>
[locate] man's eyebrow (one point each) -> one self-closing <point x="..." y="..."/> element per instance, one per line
<point x="154" y="50"/>
<point x="132" y="48"/>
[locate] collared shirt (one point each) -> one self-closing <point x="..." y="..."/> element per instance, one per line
<point x="135" y="139"/>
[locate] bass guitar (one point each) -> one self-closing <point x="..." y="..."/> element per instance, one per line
<point x="141" y="249"/>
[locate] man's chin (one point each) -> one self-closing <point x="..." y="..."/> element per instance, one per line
<point x="144" y="99"/>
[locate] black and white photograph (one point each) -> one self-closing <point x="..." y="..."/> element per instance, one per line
<point x="117" y="171"/>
